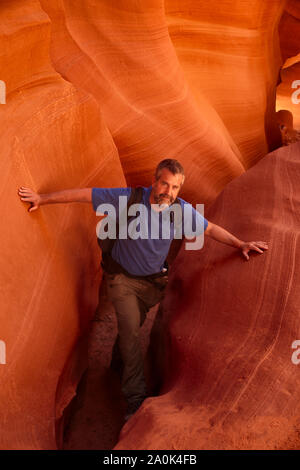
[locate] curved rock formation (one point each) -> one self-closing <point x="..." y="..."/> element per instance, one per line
<point x="229" y="325"/>
<point x="130" y="67"/>
<point x="288" y="92"/>
<point x="51" y="138"/>
<point x="213" y="118"/>
<point x="230" y="55"/>
<point x="97" y="94"/>
<point x="289" y="30"/>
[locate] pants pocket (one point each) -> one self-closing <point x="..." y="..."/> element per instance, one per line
<point x="160" y="282"/>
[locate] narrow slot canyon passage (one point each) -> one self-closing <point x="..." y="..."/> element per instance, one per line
<point x="94" y="95"/>
<point x="96" y="414"/>
<point x="288" y="88"/>
<point x="288" y="101"/>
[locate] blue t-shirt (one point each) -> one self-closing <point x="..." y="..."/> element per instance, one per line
<point x="146" y="255"/>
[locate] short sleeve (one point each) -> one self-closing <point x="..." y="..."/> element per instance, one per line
<point x="193" y="223"/>
<point x="108" y="196"/>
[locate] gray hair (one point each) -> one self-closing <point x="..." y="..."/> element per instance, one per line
<point x="172" y="165"/>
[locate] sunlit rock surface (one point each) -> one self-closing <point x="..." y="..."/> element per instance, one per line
<point x="52" y="137"/>
<point x="97" y="94"/>
<point x="289" y="29"/>
<point x="173" y="82"/>
<point x="230" y="55"/>
<point x="288" y="91"/>
<point x="228" y="377"/>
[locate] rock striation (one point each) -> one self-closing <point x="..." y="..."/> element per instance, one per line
<point x="51" y="138"/>
<point x="172" y="82"/>
<point x="96" y="94"/>
<point x="229" y="324"/>
<point x="288" y="91"/>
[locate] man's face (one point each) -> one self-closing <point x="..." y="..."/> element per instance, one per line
<point x="166" y="188"/>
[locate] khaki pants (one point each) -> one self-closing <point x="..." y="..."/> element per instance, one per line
<point x="132" y="298"/>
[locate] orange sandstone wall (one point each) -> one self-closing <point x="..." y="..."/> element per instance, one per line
<point x="98" y="92"/>
<point x="209" y="101"/>
<point x="288" y="98"/>
<point x="52" y="137"/>
<point x="289" y="30"/>
<point x="230" y="55"/>
<point x="123" y="55"/>
<point x="228" y="327"/>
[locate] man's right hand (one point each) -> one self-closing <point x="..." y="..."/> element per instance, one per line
<point x="67" y="195"/>
<point x="27" y="195"/>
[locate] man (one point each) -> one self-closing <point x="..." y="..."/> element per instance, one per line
<point x="138" y="280"/>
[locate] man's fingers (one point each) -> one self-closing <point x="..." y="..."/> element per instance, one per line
<point x="259" y="246"/>
<point x="32" y="208"/>
<point x="263" y="245"/>
<point x="26" y="194"/>
<point x="254" y="247"/>
<point x="25" y="191"/>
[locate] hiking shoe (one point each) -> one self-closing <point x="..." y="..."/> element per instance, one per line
<point x="132" y="408"/>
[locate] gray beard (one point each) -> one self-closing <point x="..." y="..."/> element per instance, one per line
<point x="159" y="200"/>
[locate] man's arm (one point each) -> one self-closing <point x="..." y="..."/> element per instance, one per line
<point x="68" y="195"/>
<point x="221" y="235"/>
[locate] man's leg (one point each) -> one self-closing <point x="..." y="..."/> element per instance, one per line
<point x="151" y="293"/>
<point x="132" y="298"/>
<point x="127" y="307"/>
<point x="116" y="357"/>
<point x="128" y="316"/>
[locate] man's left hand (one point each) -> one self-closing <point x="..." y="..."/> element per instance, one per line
<point x="255" y="246"/>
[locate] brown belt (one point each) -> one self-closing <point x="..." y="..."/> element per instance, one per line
<point x="111" y="266"/>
